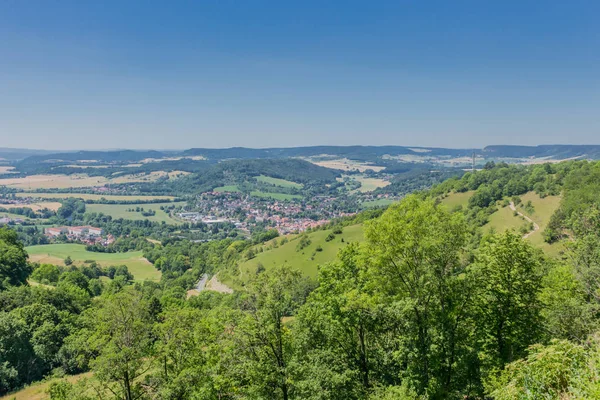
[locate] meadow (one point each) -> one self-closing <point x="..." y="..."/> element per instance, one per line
<point x="226" y="188"/>
<point x="141" y="268"/>
<point x="456" y="199"/>
<point x="345" y="164"/>
<point x="377" y="203"/>
<point x="50" y="205"/>
<point x="123" y="211"/>
<point x="370" y="184"/>
<point x="59" y="181"/>
<point x="38" y="390"/>
<point x="278" y="182"/>
<point x="306" y="260"/>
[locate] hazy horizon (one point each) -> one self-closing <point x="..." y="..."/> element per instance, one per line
<point x="151" y="75"/>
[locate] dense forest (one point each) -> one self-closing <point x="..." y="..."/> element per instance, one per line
<point x="428" y="307"/>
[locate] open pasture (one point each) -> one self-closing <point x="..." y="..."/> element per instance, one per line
<point x="278" y="182"/>
<point x="345" y="164"/>
<point x="305" y="260"/>
<point x="50" y="205"/>
<point x="124" y="211"/>
<point x="60" y="181"/>
<point x="141" y="268"/>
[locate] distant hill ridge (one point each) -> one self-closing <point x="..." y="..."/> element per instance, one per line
<point x="364" y="153"/>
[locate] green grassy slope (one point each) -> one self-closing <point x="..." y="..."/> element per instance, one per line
<point x="141" y="268"/>
<point x="306" y="260"/>
<point x="278" y="182"/>
<point x="455" y="199"/>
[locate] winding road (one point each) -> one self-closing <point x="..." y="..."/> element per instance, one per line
<point x="536" y="227"/>
<point x="202" y="283"/>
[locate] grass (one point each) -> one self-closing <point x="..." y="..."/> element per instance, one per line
<point x="306" y="260"/>
<point x="457" y="199"/>
<point x="504" y="219"/>
<point x="377" y="203"/>
<point x="278" y="182"/>
<point x="141" y="268"/>
<point x="276" y="196"/>
<point x="60" y="181"/>
<point x="86" y="196"/>
<point x="37" y="391"/>
<point x="50" y="205"/>
<point x="226" y="188"/>
<point x="120" y="211"/>
<point x="345" y="164"/>
<point x="543" y="209"/>
<point x="542" y="212"/>
<point x="370" y="184"/>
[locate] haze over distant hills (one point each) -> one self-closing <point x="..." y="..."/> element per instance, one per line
<point x="364" y="153"/>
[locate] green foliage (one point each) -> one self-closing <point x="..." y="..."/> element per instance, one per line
<point x="14" y="269"/>
<point x="558" y="371"/>
<point x="509" y="275"/>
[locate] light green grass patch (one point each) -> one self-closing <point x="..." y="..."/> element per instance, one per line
<point x="457" y="199"/>
<point x="227" y="188"/>
<point x="377" y="203"/>
<point x="276" y="196"/>
<point x="278" y="182"/>
<point x="141" y="268"/>
<point x="121" y="211"/>
<point x="38" y="390"/>
<point x="306" y="260"/>
<point x="504" y="219"/>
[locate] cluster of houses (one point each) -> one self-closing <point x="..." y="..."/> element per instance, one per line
<point x="245" y="211"/>
<point x="86" y="234"/>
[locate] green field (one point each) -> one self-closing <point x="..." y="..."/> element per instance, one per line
<point x="86" y="196"/>
<point x="377" y="203"/>
<point x="504" y="219"/>
<point x="276" y="196"/>
<point x="37" y="390"/>
<point x="120" y="211"/>
<point x="278" y="182"/>
<point x="141" y="268"/>
<point x="457" y="199"/>
<point x="306" y="260"/>
<point x="543" y="209"/>
<point x="227" y="188"/>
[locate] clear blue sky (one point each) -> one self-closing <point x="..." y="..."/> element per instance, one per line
<point x="175" y="74"/>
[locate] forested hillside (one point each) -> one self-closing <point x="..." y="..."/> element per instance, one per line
<point x="430" y="305"/>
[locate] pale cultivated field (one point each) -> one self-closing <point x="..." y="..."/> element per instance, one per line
<point x="6" y="170"/>
<point x="50" y="205"/>
<point x="370" y="184"/>
<point x="346" y="165"/>
<point x="54" y="181"/>
<point x="86" y="196"/>
<point x="81" y="180"/>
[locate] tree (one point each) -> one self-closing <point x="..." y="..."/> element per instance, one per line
<point x="122" y="338"/>
<point x="509" y="275"/>
<point x="68" y="261"/>
<point x="14" y="269"/>
<point x="415" y="253"/>
<point x="341" y="332"/>
<point x="263" y="335"/>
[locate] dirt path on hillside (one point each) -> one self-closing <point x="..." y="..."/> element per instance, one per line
<point x="536" y="227"/>
<point x="217" y="286"/>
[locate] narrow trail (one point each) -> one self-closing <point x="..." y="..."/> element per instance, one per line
<point x="536" y="227"/>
